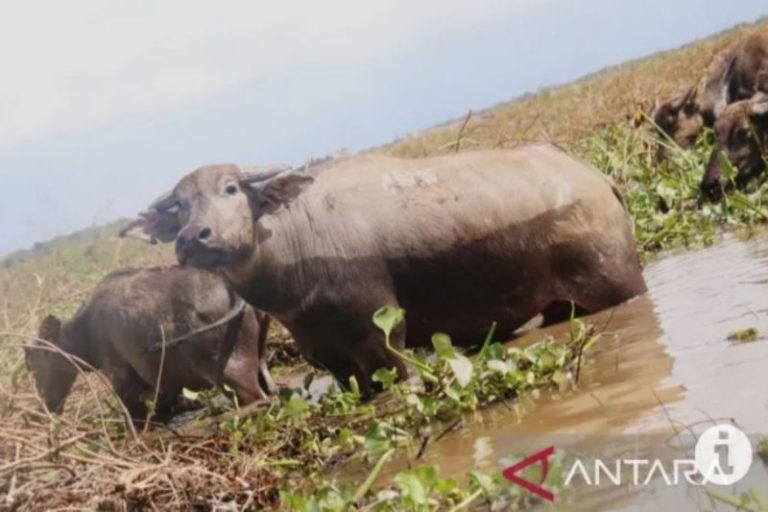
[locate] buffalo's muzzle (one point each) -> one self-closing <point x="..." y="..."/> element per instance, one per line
<point x="195" y="246"/>
<point x="711" y="189"/>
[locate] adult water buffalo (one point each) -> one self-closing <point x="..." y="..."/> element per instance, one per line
<point x="734" y="74"/>
<point x="458" y="241"/>
<point x="211" y="338"/>
<point x="741" y="135"/>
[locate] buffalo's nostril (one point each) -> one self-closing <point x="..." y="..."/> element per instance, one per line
<point x="204" y="234"/>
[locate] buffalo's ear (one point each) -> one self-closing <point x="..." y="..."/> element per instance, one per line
<point x="153" y="226"/>
<point x="253" y="174"/>
<point x="159" y="223"/>
<point x="50" y="329"/>
<point x="268" y="195"/>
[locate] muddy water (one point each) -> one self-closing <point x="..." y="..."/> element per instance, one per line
<point x="663" y="369"/>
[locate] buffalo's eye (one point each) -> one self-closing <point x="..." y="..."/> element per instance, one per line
<point x="174" y="208"/>
<point x="231" y="189"/>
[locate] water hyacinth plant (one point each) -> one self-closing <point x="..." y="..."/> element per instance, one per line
<point x="663" y="197"/>
<point x="446" y="386"/>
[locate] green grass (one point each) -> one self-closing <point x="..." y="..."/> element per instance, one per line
<point x="762" y="449"/>
<point x="747" y="335"/>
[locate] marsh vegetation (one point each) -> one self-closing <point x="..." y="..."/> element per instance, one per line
<point x="307" y="452"/>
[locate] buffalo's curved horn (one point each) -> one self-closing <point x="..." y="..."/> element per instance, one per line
<point x="261" y="173"/>
<point x="163" y="202"/>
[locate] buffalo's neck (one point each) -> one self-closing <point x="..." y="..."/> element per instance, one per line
<point x="272" y="277"/>
<point x="75" y="340"/>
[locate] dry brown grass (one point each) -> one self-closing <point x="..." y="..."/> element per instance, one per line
<point x="74" y="462"/>
<point x="568" y="113"/>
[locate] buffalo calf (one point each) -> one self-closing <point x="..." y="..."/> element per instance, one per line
<point x="211" y="338"/>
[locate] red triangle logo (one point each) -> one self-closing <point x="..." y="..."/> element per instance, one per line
<point x="511" y="473"/>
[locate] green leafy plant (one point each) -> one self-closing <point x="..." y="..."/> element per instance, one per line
<point x="751" y="500"/>
<point x="747" y="335"/>
<point x="762" y="449"/>
<point x="388" y="318"/>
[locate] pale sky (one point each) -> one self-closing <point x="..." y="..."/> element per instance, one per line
<point x="105" y="104"/>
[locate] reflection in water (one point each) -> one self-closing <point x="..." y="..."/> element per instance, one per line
<point x="663" y="363"/>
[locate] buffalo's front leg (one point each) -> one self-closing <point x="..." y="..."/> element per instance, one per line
<point x="344" y="340"/>
<point x="243" y="368"/>
<point x="131" y="390"/>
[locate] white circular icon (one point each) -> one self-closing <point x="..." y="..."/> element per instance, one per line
<point x="723" y="455"/>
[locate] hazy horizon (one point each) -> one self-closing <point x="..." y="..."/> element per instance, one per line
<point x="104" y="107"/>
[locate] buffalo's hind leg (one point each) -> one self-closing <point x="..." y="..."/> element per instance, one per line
<point x="560" y="311"/>
<point x="607" y="290"/>
<point x="613" y="289"/>
<point x="596" y="275"/>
